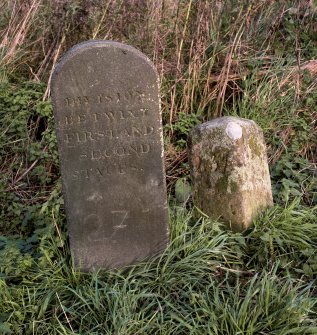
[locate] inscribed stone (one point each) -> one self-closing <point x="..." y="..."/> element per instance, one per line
<point x="108" y="122"/>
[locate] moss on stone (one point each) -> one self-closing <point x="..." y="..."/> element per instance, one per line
<point x="232" y="181"/>
<point x="222" y="184"/>
<point x="234" y="186"/>
<point x="255" y="147"/>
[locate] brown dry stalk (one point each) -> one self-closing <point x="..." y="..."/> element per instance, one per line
<point x="97" y="29"/>
<point x="16" y="32"/>
<point x="64" y="312"/>
<point x="284" y="140"/>
<point x="224" y="75"/>
<point x="21" y="176"/>
<point x="179" y="53"/>
<point x="57" y="53"/>
<point x="291" y="74"/>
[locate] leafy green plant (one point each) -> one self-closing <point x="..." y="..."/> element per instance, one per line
<point x="29" y="195"/>
<point x="248" y="59"/>
<point x="181" y="128"/>
<point x="293" y="177"/>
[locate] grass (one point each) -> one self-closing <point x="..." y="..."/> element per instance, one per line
<point x="251" y="59"/>
<point x="207" y="282"/>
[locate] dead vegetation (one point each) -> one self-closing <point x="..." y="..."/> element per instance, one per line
<point x="205" y="51"/>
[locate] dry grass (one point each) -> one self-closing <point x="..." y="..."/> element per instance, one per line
<point x="199" y="47"/>
<point x="204" y="50"/>
<point x="254" y="59"/>
<point x="17" y="31"/>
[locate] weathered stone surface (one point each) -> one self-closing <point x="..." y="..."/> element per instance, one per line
<point x="229" y="170"/>
<point x="108" y="122"/>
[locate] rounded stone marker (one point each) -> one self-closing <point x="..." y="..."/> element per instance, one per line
<point x="229" y="171"/>
<point x="109" y="130"/>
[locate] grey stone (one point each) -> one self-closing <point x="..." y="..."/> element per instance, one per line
<point x="109" y="131"/>
<point x="229" y="171"/>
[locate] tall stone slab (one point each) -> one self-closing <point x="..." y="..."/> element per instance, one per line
<point x="229" y="170"/>
<point x="108" y="122"/>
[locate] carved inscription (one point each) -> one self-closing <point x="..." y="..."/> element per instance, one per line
<point x="119" y="218"/>
<point x="98" y="172"/>
<point x="98" y="231"/>
<point x="136" y="150"/>
<point x="109" y="116"/>
<point x="72" y="138"/>
<point x="106" y="98"/>
<point x="88" y="127"/>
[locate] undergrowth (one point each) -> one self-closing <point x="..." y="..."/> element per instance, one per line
<point x="208" y="281"/>
<point x="249" y="58"/>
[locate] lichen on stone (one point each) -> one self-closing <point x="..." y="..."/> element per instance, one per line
<point x="232" y="179"/>
<point x="254" y="146"/>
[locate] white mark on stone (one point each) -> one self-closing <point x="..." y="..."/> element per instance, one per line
<point x="154" y="182"/>
<point x="95" y="197"/>
<point x="120" y="226"/>
<point x="234" y="131"/>
<point x="90" y="69"/>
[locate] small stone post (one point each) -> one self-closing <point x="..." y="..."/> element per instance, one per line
<point x="229" y="169"/>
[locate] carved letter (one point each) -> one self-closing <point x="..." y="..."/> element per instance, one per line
<point x="145" y="148"/>
<point x="130" y="114"/>
<point x="82" y="139"/>
<point x="109" y="115"/>
<point x="120" y="151"/>
<point x="121" y="171"/>
<point x="69" y="137"/>
<point x="121" y="115"/>
<point x="81" y="118"/>
<point x="96" y="115"/>
<point x="134" y="149"/>
<point x="144" y="111"/>
<point x="136" y="131"/>
<point x="96" y="155"/>
<point x="148" y="130"/>
<point x="70" y="102"/>
<point x="99" y="172"/>
<point x="86" y="173"/>
<point x="125" y="132"/>
<point x="83" y="156"/>
<point x="121" y="215"/>
<point x="107" y="154"/>
<point x="139" y="95"/>
<point x="75" y="174"/>
<point x="68" y="120"/>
